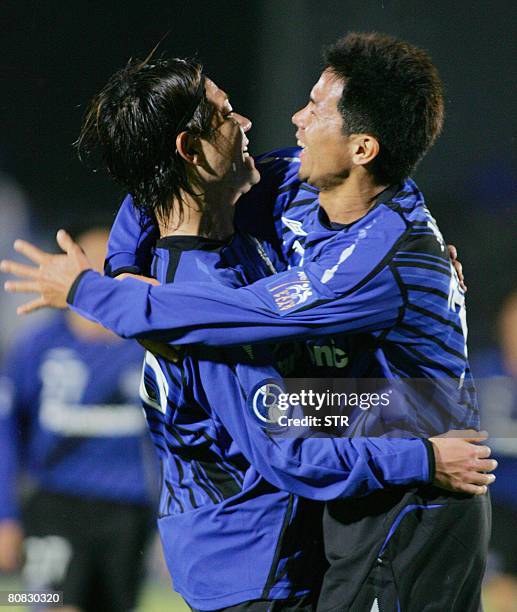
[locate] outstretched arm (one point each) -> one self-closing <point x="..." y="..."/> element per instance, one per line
<point x="302" y="302"/>
<point x="321" y="298"/>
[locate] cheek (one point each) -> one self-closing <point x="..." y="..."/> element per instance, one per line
<point x="227" y="144"/>
<point x="336" y="147"/>
<point x="317" y="135"/>
<point x="219" y="154"/>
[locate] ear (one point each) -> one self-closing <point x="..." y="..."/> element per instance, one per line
<point x="365" y="149"/>
<point x="186" y="147"/>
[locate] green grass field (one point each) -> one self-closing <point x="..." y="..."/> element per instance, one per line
<point x="158" y="597"/>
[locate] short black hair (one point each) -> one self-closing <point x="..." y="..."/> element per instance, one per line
<point x="133" y="123"/>
<point x="392" y="91"/>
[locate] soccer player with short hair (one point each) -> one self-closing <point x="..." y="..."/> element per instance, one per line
<point x="369" y="267"/>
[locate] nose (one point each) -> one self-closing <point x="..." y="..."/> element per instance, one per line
<point x="244" y="122"/>
<point x="297" y="118"/>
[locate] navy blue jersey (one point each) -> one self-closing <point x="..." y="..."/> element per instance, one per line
<point x="380" y="293"/>
<point x="229" y="533"/>
<point x="70" y="417"/>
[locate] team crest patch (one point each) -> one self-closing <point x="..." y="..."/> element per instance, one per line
<point x="292" y="291"/>
<point x="263" y="402"/>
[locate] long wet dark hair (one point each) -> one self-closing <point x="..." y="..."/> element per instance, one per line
<point x="133" y="122"/>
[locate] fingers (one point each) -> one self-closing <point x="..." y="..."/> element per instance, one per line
<point x="479" y="437"/>
<point x="478" y="478"/>
<point x="13" y="267"/>
<point x="65" y="242"/>
<point x="486" y="465"/>
<point x="145" y="279"/>
<point x="453" y="252"/>
<point x="470" y="435"/>
<point x="459" y="271"/>
<point x="483" y="452"/>
<point x="477" y="482"/>
<point x="30" y="251"/>
<point x="472" y="489"/>
<point x="31" y="306"/>
<point x="22" y="286"/>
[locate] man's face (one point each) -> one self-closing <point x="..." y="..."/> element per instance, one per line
<point x="326" y="158"/>
<point x="226" y="153"/>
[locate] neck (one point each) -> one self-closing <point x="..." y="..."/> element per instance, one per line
<point x="209" y="215"/>
<point x="351" y="199"/>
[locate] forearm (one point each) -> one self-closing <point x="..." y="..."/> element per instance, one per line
<point x="206" y="313"/>
<point x="332" y="468"/>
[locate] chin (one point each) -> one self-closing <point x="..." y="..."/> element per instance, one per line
<point x="255" y="177"/>
<point x="252" y="179"/>
<point x="303" y="175"/>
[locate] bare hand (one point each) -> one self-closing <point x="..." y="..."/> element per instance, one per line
<point x="53" y="276"/>
<point x="11" y="541"/>
<point x="461" y="463"/>
<point x="145" y="279"/>
<point x="453" y="254"/>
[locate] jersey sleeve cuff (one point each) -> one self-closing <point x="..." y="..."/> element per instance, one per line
<point x="431" y="460"/>
<point x="72" y="292"/>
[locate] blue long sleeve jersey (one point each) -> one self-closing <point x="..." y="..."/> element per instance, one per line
<point x="70" y="418"/>
<point x="228" y="532"/>
<point x="380" y="294"/>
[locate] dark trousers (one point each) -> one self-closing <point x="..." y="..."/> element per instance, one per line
<point x="422" y="550"/>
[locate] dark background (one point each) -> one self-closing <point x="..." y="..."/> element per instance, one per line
<point x="266" y="53"/>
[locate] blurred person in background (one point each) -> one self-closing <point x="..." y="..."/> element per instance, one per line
<point x="14" y="212"/>
<point x="496" y="372"/>
<point x="70" y="422"/>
